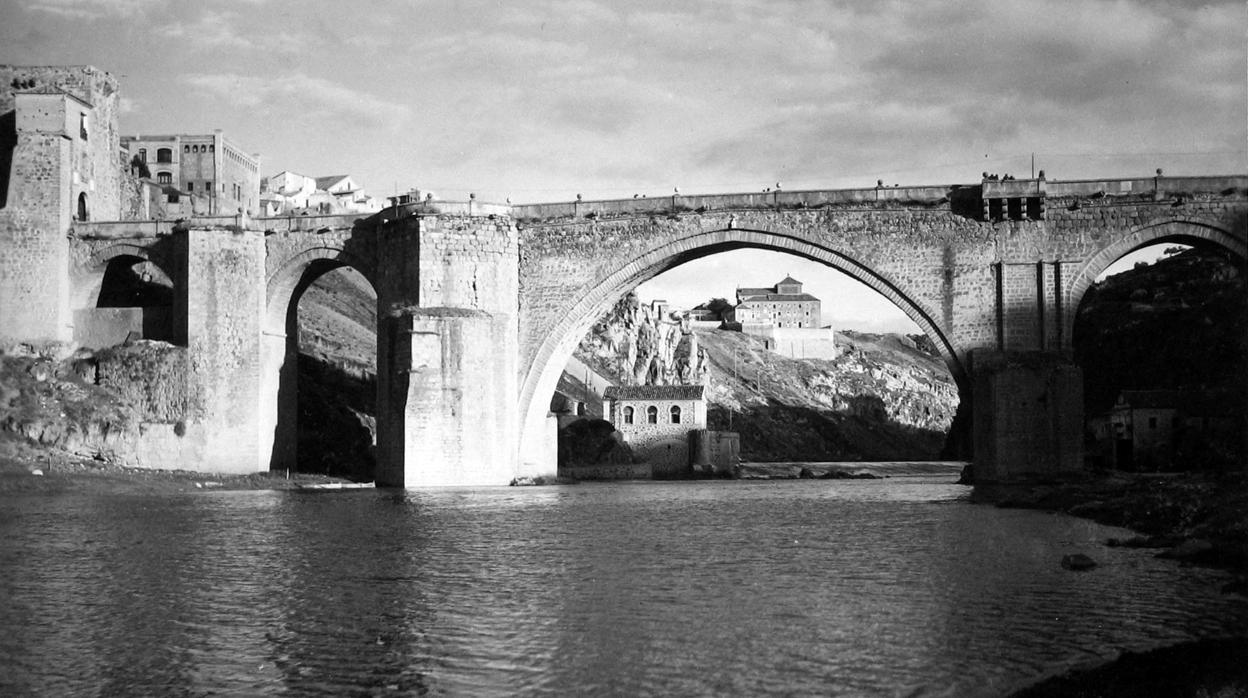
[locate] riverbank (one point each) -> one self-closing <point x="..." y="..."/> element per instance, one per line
<point x="1193" y="518"/>
<point x="1198" y="518"/>
<point x="1204" y="668"/>
<point x="57" y="474"/>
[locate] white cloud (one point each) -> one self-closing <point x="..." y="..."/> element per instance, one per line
<point x="211" y="31"/>
<point x="95" y="9"/>
<point x="302" y="97"/>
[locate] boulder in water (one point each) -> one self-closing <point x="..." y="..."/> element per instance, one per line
<point x="1078" y="562"/>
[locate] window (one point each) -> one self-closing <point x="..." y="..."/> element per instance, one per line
<point x="82" y="125"/>
<point x="164" y="178"/>
<point x="190" y="187"/>
<point x="1152" y="422"/>
<point x="143" y="154"/>
<point x="164" y="155"/>
<point x="82" y="207"/>
<point x="675" y="414"/>
<point x="212" y="148"/>
<point x="186" y="148"/>
<point x="208" y="186"/>
<point x="628" y="415"/>
<point x="652" y="415"/>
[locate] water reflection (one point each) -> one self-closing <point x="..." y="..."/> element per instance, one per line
<point x="827" y="587"/>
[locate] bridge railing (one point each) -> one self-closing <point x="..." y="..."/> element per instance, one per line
<point x="1146" y="185"/>
<point x="150" y="228"/>
<point x="720" y="202"/>
<point x="307" y="224"/>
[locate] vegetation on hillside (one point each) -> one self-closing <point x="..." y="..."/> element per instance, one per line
<point x="1180" y="323"/>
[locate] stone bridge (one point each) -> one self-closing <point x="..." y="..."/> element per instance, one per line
<point x="480" y="305"/>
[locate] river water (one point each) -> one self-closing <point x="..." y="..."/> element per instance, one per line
<point x="898" y="586"/>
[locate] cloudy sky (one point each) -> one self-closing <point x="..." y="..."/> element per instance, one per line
<point x="543" y="100"/>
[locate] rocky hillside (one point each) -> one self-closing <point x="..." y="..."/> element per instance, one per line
<point x="1181" y="322"/>
<point x="885" y="397"/>
<point x="338" y="377"/>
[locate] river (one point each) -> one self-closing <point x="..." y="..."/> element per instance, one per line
<point x="897" y="586"/>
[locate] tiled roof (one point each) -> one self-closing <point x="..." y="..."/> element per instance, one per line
<point x="654" y="392"/>
<point x="327" y="182"/>
<point x="51" y="90"/>
<point x="789" y="280"/>
<point x="780" y="297"/>
<point x="1149" y="398"/>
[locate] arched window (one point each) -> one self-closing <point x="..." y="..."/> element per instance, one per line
<point x="628" y="415"/>
<point x="186" y="148"/>
<point x="675" y="414"/>
<point x="164" y="178"/>
<point x="82" y="206"/>
<point x="652" y="415"/>
<point x="164" y="155"/>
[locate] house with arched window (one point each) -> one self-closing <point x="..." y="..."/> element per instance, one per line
<point x="656" y="421"/>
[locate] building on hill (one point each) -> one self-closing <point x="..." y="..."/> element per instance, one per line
<point x="209" y="166"/>
<point x="290" y="193"/>
<point x="656" y="421"/>
<point x="787" y="319"/>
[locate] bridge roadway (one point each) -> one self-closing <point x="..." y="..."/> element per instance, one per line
<point x="480" y="305"/>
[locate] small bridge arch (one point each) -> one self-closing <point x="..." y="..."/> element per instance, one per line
<point x="285" y="282"/>
<point x="554" y="351"/>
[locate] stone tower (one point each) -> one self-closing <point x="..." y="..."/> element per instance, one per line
<point x="59" y="163"/>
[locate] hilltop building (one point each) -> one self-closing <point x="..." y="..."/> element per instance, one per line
<point x="210" y="166"/>
<point x="786" y="318"/>
<point x="289" y="193"/>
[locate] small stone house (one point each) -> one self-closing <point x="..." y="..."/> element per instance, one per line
<point x="655" y="421"/>
<point x="1152" y="430"/>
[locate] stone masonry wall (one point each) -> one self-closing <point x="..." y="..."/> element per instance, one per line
<point x="224" y="302"/>
<point x="34" y="283"/>
<point x="48" y="170"/>
<point x="447" y="357"/>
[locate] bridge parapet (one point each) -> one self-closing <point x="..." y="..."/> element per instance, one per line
<point x="308" y="224"/>
<point x="107" y="230"/>
<point x="1159" y="185"/>
<point x="924" y="196"/>
<point x="432" y="207"/>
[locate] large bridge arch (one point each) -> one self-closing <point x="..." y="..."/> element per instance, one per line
<point x="1191" y="231"/>
<point x="552" y="354"/>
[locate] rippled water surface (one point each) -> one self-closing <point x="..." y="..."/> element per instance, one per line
<point x="849" y="587"/>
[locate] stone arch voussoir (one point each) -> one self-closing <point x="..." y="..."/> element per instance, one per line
<point x="1178" y="229"/>
<point x="284" y="278"/>
<point x="90" y="272"/>
<point x="542" y="375"/>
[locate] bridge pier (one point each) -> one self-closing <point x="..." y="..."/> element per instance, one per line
<point x="1028" y="415"/>
<point x="223" y="293"/>
<point x="445" y="414"/>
